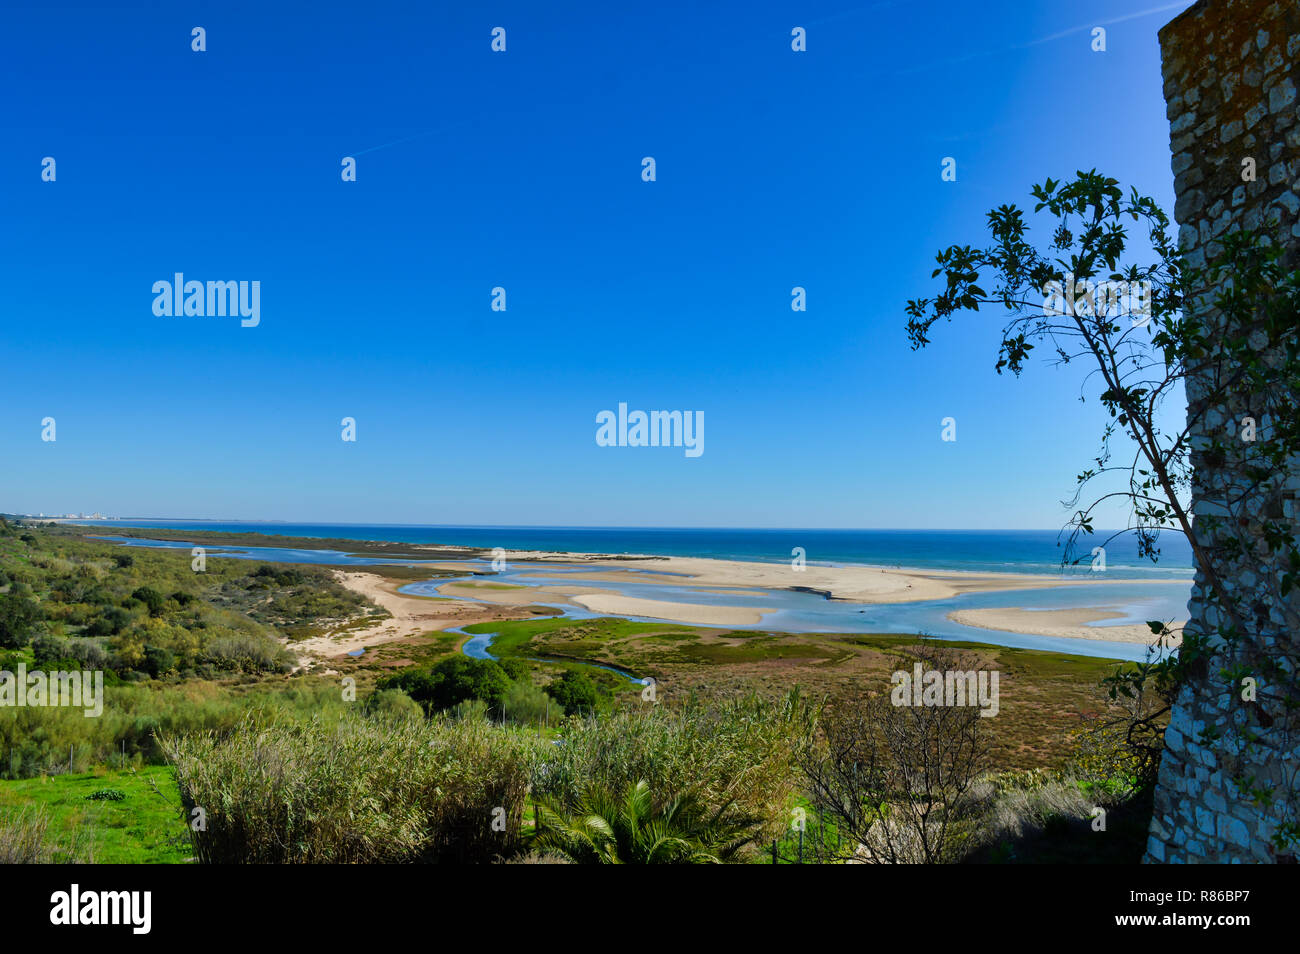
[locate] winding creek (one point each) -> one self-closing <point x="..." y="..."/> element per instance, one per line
<point x="477" y="647"/>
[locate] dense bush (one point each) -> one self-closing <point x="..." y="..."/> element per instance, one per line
<point x="111" y="621"/>
<point x="575" y="692"/>
<point x="158" y="661"/>
<point x="18" y="614"/>
<point x="361" y="790"/>
<point x="268" y="575"/>
<point x="247" y="652"/>
<point x="151" y="598"/>
<point x="55" y="652"/>
<point x="452" y="681"/>
<point x="528" y="704"/>
<point x="471" y="710"/>
<point x="737" y="757"/>
<point x="392" y="704"/>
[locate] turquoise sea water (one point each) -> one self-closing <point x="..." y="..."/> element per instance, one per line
<point x="1003" y="551"/>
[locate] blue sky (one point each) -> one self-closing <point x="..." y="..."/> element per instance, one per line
<point x="522" y="169"/>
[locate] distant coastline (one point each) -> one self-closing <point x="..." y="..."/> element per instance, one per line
<point x="974" y="551"/>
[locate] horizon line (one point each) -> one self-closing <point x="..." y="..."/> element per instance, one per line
<point x="564" y="526"/>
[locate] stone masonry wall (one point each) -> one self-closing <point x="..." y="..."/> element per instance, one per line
<point x="1230" y="82"/>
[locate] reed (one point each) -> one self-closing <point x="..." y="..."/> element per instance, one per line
<point x="356" y="790"/>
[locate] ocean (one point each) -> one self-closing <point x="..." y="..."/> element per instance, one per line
<point x="1002" y="551"/>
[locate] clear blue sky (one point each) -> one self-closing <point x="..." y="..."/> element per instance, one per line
<point x="523" y="169"/>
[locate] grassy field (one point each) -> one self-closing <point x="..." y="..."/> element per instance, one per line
<point x="144" y="826"/>
<point x="1045" y="696"/>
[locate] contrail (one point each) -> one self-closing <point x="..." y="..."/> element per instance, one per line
<point x="1128" y="16"/>
<point x="423" y="135"/>
<point x="1181" y="5"/>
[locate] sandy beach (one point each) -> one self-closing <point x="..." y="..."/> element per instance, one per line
<point x="617" y="605"/>
<point x="1064" y="623"/>
<point x="409" y="616"/>
<point x="609" y="602"/>
<point x="862" y="584"/>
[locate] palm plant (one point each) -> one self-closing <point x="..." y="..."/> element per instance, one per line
<point x="604" y="827"/>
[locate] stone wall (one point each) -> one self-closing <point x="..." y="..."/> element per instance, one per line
<point x="1231" y="78"/>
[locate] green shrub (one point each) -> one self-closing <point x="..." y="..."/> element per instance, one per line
<point x="268" y="575"/>
<point x="107" y="795"/>
<point x="471" y="710"/>
<point x="1104" y="762"/>
<point x="18" y="614"/>
<point x="392" y="704"/>
<point x="46" y="648"/>
<point x="158" y="661"/>
<point x="575" y="692"/>
<point x="528" y="704"/>
<point x="452" y="681"/>
<point x="111" y="621"/>
<point x="247" y="652"/>
<point x="636" y="827"/>
<point x="737" y="756"/>
<point x="361" y="790"/>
